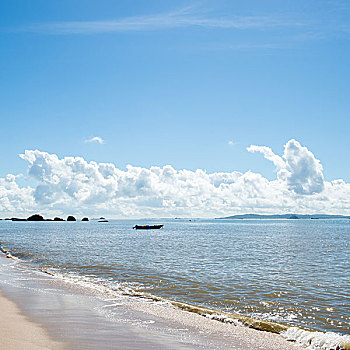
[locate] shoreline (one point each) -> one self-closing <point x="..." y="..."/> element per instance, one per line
<point x="90" y="322"/>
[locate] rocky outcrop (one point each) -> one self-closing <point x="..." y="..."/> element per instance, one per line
<point x="38" y="217"/>
<point x="293" y="217"/>
<point x="35" y="217"/>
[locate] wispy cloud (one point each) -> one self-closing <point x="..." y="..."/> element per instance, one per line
<point x="95" y="139"/>
<point x="247" y="46"/>
<point x="182" y="18"/>
<point x="232" y="143"/>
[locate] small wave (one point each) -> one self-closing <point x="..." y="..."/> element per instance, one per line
<point x="117" y="290"/>
<point x="311" y="339"/>
<point x="8" y="254"/>
<point x="317" y="340"/>
<point x="262" y="325"/>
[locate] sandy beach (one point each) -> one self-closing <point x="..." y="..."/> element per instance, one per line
<point x="18" y="332"/>
<point x="39" y="312"/>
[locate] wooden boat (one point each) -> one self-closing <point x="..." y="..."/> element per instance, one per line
<point x="147" y="227"/>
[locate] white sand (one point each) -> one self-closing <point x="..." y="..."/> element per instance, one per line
<point x="19" y="333"/>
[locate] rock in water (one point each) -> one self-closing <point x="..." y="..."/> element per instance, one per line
<point x="71" y="218"/>
<point x="35" y="217"/>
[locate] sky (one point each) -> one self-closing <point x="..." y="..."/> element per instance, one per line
<point x="168" y="108"/>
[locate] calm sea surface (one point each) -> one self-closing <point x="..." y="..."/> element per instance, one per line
<point x="290" y="271"/>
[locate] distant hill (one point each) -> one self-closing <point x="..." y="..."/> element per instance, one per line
<point x="286" y="216"/>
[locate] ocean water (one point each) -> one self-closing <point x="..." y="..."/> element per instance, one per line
<point x="294" y="272"/>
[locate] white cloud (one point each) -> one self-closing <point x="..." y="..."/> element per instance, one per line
<point x="13" y="198"/>
<point x="73" y="185"/>
<point x="95" y="139"/>
<point x="298" y="167"/>
<point x="232" y="143"/>
<point x="268" y="154"/>
<point x="304" y="173"/>
<point x="182" y="18"/>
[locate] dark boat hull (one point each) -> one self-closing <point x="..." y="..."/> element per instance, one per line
<point x="147" y="227"/>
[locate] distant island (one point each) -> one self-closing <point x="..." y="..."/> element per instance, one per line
<point x="38" y="217"/>
<point x="285" y="216"/>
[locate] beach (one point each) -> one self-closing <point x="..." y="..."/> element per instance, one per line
<point x="192" y="285"/>
<point x="19" y="332"/>
<point x="172" y="175"/>
<point x="40" y="312"/>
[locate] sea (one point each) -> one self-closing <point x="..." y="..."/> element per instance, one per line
<point x="289" y="272"/>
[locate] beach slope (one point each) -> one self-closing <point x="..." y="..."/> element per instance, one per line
<point x="17" y="332"/>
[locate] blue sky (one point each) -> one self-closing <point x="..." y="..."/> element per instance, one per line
<point x="186" y="83"/>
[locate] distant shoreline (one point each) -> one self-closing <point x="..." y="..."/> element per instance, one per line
<point x="285" y="216"/>
<point x="38" y="217"/>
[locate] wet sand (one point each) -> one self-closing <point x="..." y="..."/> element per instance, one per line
<point x="18" y="332"/>
<point x="85" y="319"/>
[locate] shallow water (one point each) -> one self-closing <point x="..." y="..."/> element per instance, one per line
<point x="291" y="271"/>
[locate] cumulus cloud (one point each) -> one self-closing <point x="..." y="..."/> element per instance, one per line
<point x="13" y="198"/>
<point x="304" y="172"/>
<point x="95" y="139"/>
<point x="298" y="167"/>
<point x="74" y="185"/>
<point x="268" y="154"/>
<point x="72" y="182"/>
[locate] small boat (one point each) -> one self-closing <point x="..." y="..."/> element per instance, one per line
<point x="147" y="227"/>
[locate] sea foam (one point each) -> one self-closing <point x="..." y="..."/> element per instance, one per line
<point x="317" y="340"/>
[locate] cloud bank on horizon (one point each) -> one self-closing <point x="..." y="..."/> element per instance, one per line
<point x="73" y="185"/>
